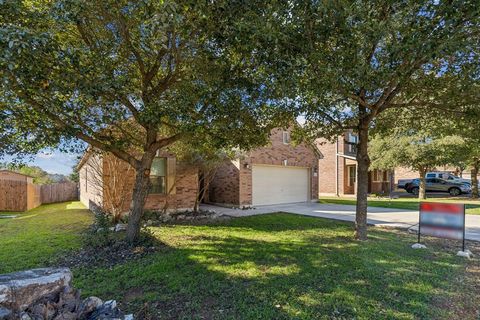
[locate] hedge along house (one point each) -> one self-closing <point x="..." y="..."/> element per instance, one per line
<point x="106" y="183"/>
<point x="277" y="173"/>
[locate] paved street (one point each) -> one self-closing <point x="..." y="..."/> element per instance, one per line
<point x="376" y="216"/>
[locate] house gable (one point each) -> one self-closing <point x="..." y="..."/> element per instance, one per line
<point x="233" y="183"/>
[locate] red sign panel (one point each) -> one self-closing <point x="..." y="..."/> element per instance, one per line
<point x="442" y="220"/>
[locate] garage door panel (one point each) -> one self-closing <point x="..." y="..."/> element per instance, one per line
<point x="274" y="185"/>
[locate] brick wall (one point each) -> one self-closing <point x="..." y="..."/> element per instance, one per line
<point x="92" y="193"/>
<point x="232" y="183"/>
<point x="404" y="173"/>
<point x="327" y="167"/>
<point x="225" y="185"/>
<point x="186" y="182"/>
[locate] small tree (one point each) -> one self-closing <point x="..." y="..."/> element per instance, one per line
<point x="416" y="150"/>
<point x="204" y="156"/>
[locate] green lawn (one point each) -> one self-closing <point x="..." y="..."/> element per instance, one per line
<point x="472" y="206"/>
<point x="36" y="236"/>
<point x="277" y="266"/>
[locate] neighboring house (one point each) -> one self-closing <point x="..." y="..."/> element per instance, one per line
<point x="107" y="182"/>
<point x="338" y="169"/>
<point x="280" y="172"/>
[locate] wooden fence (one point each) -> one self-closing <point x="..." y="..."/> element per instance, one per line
<point x="58" y="192"/>
<point x="13" y="195"/>
<point x="22" y="195"/>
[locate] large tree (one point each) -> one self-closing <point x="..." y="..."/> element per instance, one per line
<point x="349" y="62"/>
<point x="126" y="77"/>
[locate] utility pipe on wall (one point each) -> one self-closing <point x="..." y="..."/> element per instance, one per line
<point x="336" y="168"/>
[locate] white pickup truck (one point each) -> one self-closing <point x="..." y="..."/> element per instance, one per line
<point x="436" y="174"/>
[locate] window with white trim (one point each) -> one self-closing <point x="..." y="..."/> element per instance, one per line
<point x="158" y="176"/>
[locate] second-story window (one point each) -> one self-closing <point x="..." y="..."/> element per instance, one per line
<point x="286" y="137"/>
<point x="351" y="143"/>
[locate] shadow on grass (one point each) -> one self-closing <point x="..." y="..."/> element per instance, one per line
<point x="278" y="266"/>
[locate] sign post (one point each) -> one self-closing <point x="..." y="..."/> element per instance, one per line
<point x="442" y="220"/>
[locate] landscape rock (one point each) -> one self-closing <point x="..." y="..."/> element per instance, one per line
<point x="418" y="246"/>
<point x="5" y="313"/>
<point x="107" y="311"/>
<point x="167" y="218"/>
<point x="120" y="227"/>
<point x="465" y="254"/>
<point x="66" y="315"/>
<point x="39" y="310"/>
<point x="19" y="290"/>
<point x="47" y="294"/>
<point x="88" y="305"/>
<point x="25" y="316"/>
<point x="7" y="216"/>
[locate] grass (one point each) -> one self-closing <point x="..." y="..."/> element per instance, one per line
<point x="472" y="206"/>
<point x="276" y="266"/>
<point x="36" y="236"/>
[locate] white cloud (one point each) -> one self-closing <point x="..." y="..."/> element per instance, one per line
<point x="43" y="155"/>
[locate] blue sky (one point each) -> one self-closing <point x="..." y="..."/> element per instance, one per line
<point x="52" y="161"/>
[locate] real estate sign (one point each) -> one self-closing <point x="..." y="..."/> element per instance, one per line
<point x="442" y="220"/>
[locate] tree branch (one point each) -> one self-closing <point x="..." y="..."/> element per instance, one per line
<point x="63" y="125"/>
<point x="126" y="34"/>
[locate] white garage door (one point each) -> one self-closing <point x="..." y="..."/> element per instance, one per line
<point x="273" y="185"/>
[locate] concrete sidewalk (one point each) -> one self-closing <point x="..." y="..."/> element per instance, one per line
<point x="399" y="218"/>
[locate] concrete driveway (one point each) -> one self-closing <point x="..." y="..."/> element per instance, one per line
<point x="400" y="218"/>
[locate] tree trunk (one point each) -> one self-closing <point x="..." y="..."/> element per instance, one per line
<point x="474" y="173"/>
<point x="139" y="196"/>
<point x="363" y="163"/>
<point x="422" y="193"/>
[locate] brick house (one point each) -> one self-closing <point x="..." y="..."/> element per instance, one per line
<point x="338" y="169"/>
<point x="277" y="173"/>
<point x="106" y="181"/>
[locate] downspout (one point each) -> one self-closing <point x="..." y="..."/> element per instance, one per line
<point x="336" y="168"/>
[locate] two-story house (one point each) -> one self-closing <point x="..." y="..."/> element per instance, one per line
<point x="337" y="171"/>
